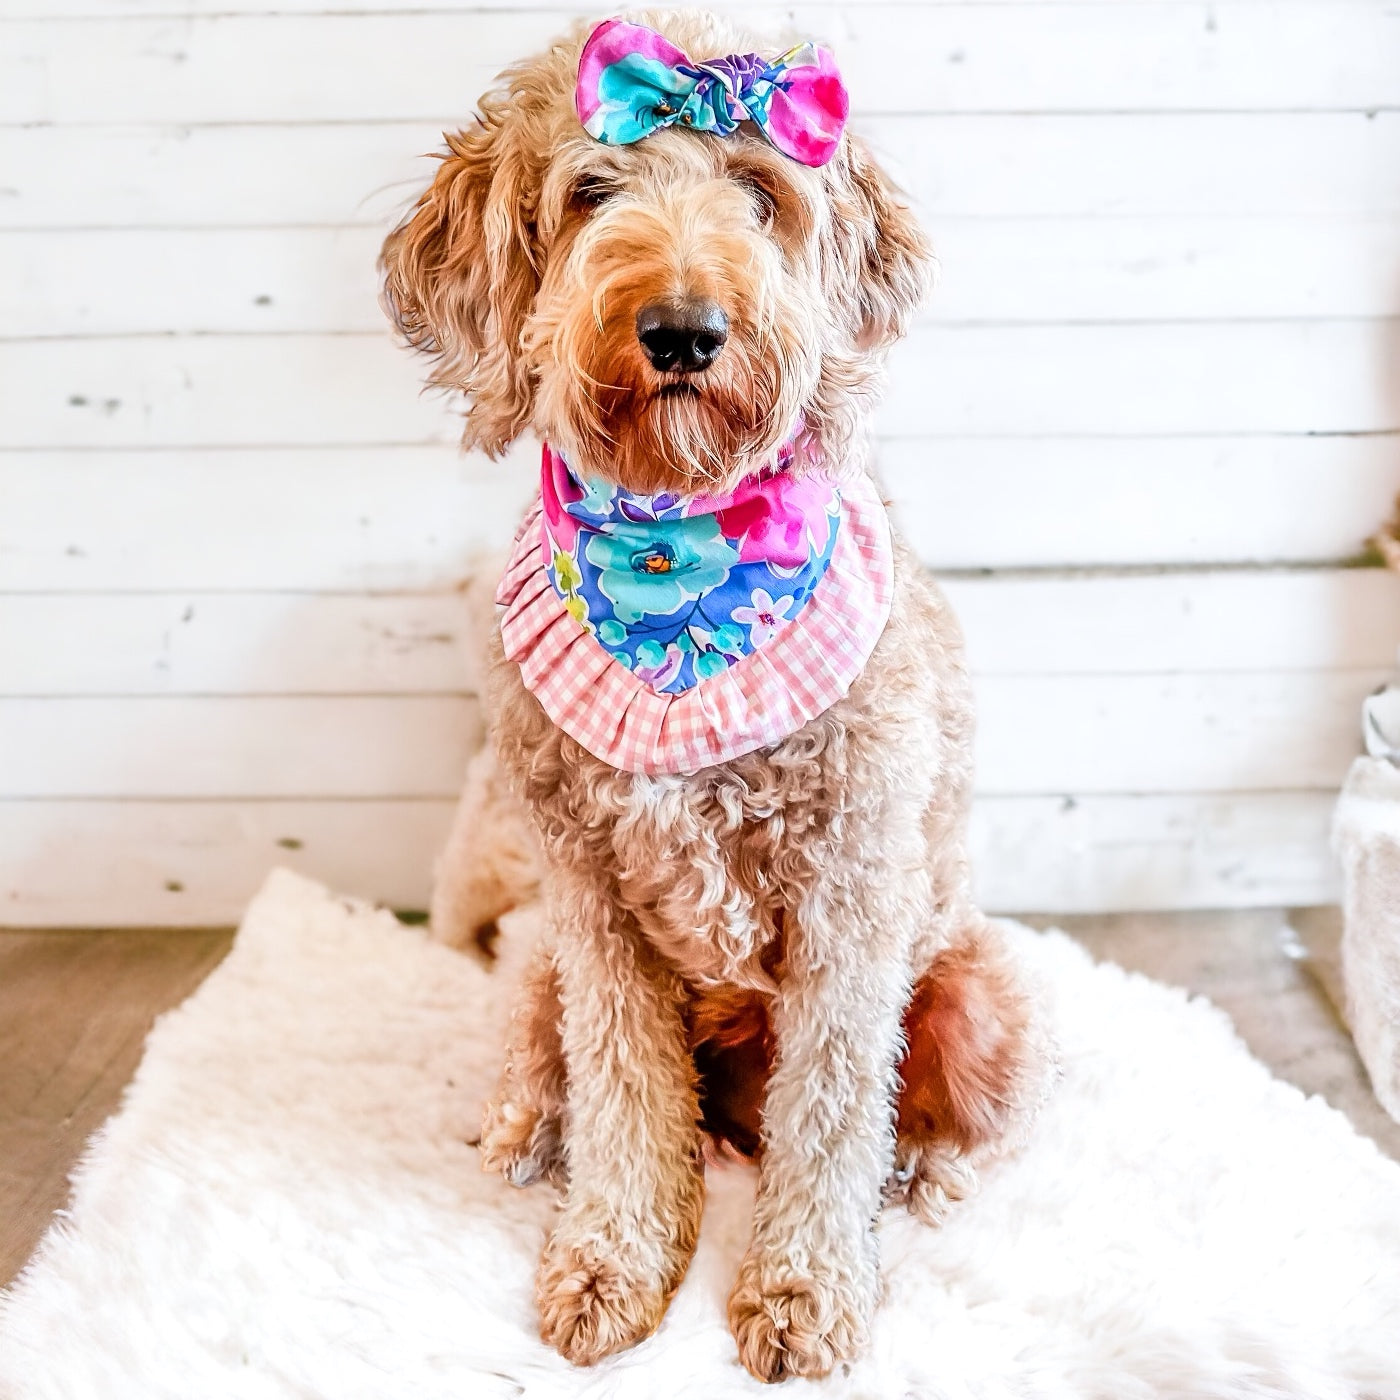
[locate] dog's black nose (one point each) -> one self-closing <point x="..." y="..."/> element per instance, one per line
<point x="683" y="336"/>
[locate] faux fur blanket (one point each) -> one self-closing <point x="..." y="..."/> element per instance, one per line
<point x="288" y="1205"/>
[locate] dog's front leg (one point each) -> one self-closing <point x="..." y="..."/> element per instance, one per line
<point x="632" y="1209"/>
<point x="808" y="1285"/>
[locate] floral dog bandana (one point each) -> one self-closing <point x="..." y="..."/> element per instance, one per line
<point x="633" y="81"/>
<point x="667" y="633"/>
<point x="676" y="588"/>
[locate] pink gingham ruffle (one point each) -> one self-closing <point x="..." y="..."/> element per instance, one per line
<point x="802" y="671"/>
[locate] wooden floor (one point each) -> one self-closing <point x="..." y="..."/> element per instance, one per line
<point x="74" y="1012"/>
<point x="75" y="1009"/>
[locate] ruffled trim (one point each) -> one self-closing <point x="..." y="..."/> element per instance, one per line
<point x="805" y="668"/>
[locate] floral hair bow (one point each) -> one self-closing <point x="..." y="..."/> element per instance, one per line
<point x="633" y="81"/>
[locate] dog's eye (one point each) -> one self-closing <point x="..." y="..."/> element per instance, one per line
<point x="589" y="193"/>
<point x="764" y="197"/>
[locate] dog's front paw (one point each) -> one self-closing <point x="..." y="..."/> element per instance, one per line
<point x="793" y="1325"/>
<point x="521" y="1144"/>
<point x="592" y="1304"/>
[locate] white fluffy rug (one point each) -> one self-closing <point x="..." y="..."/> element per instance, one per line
<point x="287" y="1206"/>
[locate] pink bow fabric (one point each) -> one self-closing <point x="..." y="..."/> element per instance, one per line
<point x="633" y="81"/>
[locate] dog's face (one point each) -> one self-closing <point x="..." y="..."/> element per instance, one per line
<point x="662" y="312"/>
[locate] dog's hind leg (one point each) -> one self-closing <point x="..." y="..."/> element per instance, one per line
<point x="490" y="863"/>
<point x="977" y="1065"/>
<point x="522" y="1130"/>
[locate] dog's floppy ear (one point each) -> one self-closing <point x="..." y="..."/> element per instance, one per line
<point x="460" y="275"/>
<point x="882" y="262"/>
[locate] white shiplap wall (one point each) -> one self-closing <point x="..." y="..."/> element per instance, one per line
<point x="1153" y="411"/>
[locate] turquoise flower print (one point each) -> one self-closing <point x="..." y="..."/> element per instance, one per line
<point x="597" y="498"/>
<point x="651" y="567"/>
<point x="719" y="650"/>
<point x="659" y="666"/>
<point x="730" y="638"/>
<point x="765" y="617"/>
<point x="710" y="663"/>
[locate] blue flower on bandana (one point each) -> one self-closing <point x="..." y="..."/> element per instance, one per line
<point x="652" y="567"/>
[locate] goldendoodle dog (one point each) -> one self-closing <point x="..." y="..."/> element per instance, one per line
<point x="733" y="706"/>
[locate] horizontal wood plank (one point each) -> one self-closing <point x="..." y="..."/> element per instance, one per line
<point x="205" y="390"/>
<point x="1189" y="623"/>
<point x="1224" y="732"/>
<point x="1174" y="165"/>
<point x="415" y="519"/>
<point x="1292" y="54"/>
<point x="379" y="518"/>
<point x="82" y="644"/>
<point x="193" y="864"/>
<point x="969" y="503"/>
<point x="157" y="281"/>
<point x="1210" y="732"/>
<point x="1229" y="377"/>
<point x="980" y="381"/>
<point x="216" y="747"/>
<point x="1164" y="268"/>
<point x="237" y="644"/>
<point x="1076" y="855"/>
<point x="198" y="863"/>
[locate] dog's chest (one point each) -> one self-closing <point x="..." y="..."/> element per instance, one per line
<point x="707" y="867"/>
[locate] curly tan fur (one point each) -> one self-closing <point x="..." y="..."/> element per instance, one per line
<point x="795" y="926"/>
<point x="971" y="1073"/>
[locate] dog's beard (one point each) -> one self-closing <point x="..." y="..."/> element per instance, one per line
<point x="697" y="432"/>
<point x="615" y="417"/>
